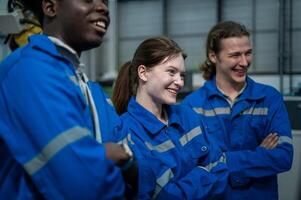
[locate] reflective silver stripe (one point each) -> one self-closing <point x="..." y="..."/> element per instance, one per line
<point x="165" y="146"/>
<point x="129" y="138"/>
<point x="212" y="112"/>
<point x="285" y="139"/>
<point x="125" y="144"/>
<point x="74" y="80"/>
<point x="222" y="159"/>
<point x="204" y="112"/>
<point x="162" y="181"/>
<point x="256" y="111"/>
<point x="53" y="147"/>
<point x="109" y="102"/>
<point x="222" y="111"/>
<point x="190" y="135"/>
<point x="83" y="80"/>
<point x="203" y="168"/>
<point x="126" y="140"/>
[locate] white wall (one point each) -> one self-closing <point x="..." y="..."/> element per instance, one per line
<point x="3" y="5"/>
<point x="274" y="80"/>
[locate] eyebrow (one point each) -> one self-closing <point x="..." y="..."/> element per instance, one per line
<point x="240" y="52"/>
<point x="170" y="66"/>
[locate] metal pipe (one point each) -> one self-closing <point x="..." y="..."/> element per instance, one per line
<point x="281" y="36"/>
<point x="219" y="12"/>
<point x="290" y="46"/>
<point x="254" y="36"/>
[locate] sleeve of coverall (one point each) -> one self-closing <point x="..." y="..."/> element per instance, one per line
<point x="157" y="182"/>
<point x="265" y="162"/>
<point x="50" y="135"/>
<point x="197" y="184"/>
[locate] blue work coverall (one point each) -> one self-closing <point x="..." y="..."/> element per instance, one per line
<point x="176" y="160"/>
<point x="239" y="131"/>
<point x="47" y="144"/>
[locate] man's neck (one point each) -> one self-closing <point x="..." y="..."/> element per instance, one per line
<point x="231" y="90"/>
<point x="62" y="44"/>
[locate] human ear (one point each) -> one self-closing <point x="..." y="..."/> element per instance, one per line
<point x="142" y="72"/>
<point x="49" y="7"/>
<point x="212" y="56"/>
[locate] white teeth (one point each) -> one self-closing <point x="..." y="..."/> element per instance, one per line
<point x="172" y="91"/>
<point x="100" y="24"/>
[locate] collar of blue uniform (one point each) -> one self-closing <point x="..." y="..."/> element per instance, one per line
<point x="63" y="45"/>
<point x="50" y="45"/>
<point x="148" y="120"/>
<point x="43" y="43"/>
<point x="252" y="91"/>
<point x="58" y="48"/>
<point x="69" y="53"/>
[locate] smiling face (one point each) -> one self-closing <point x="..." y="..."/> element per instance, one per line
<point x="81" y="24"/>
<point x="161" y="83"/>
<point x="232" y="61"/>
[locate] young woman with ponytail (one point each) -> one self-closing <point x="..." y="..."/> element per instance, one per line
<point x="175" y="159"/>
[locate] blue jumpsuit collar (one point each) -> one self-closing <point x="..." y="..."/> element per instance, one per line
<point x="210" y="86"/>
<point x="43" y="43"/>
<point x="148" y="120"/>
<point x="251" y="92"/>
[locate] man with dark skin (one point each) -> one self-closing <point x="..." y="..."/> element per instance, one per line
<point x="56" y="127"/>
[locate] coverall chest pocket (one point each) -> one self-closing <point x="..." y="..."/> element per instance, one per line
<point x="216" y="133"/>
<point x="212" y="125"/>
<point x="166" y="153"/>
<point x="256" y="130"/>
<point x="196" y="148"/>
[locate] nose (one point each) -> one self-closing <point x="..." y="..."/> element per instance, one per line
<point x="102" y="6"/>
<point x="179" y="81"/>
<point x="244" y="60"/>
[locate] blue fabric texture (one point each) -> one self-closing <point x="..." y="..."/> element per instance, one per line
<point x="47" y="144"/>
<point x="239" y="131"/>
<point x="175" y="159"/>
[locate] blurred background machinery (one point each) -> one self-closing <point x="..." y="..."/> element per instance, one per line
<point x="17" y="23"/>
